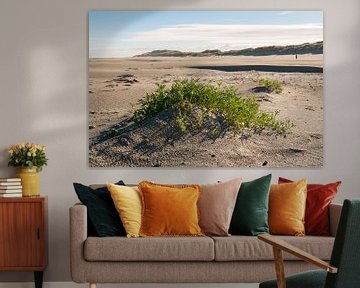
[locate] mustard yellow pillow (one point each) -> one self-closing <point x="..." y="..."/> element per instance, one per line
<point x="287" y="204"/>
<point x="169" y="210"/>
<point x="127" y="201"/>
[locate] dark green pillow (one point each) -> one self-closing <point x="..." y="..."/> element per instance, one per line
<point x="250" y="216"/>
<point x="103" y="218"/>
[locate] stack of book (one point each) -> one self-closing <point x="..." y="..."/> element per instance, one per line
<point x="10" y="187"/>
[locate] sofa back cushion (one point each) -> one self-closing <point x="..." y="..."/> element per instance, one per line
<point x="250" y="215"/>
<point x="318" y="200"/>
<point x="127" y="201"/>
<point x="169" y="210"/>
<point x="102" y="215"/>
<point x="287" y="204"/>
<point x="216" y="206"/>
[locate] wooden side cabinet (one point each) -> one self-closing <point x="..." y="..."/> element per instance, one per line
<point x="23" y="235"/>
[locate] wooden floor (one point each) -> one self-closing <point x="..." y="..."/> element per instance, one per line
<point x="74" y="285"/>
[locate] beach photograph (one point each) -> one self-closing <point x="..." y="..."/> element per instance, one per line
<point x="205" y="89"/>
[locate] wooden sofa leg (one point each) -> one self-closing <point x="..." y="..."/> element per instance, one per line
<point x="92" y="285"/>
<point x="279" y="267"/>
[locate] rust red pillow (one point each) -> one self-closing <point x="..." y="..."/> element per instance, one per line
<point x="319" y="197"/>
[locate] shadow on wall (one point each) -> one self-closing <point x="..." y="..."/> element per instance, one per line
<point x="4" y="159"/>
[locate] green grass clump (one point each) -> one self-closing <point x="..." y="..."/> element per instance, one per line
<point x="196" y="104"/>
<point x="271" y="85"/>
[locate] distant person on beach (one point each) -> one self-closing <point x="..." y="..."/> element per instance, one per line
<point x="296" y="56"/>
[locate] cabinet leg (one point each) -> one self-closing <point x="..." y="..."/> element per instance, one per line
<point x="38" y="279"/>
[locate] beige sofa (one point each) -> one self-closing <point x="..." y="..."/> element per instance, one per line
<point x="234" y="259"/>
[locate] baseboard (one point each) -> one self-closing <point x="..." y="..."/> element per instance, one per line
<point x="74" y="285"/>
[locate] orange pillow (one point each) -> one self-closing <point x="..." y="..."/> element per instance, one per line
<point x="169" y="210"/>
<point x="287" y="204"/>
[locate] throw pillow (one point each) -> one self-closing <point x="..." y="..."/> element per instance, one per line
<point x="250" y="215"/>
<point x="128" y="204"/>
<point x="169" y="210"/>
<point x="319" y="197"/>
<point x="287" y="208"/>
<point x="102" y="215"/>
<point x="216" y="206"/>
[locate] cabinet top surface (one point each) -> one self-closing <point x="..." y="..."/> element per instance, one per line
<point x="23" y="199"/>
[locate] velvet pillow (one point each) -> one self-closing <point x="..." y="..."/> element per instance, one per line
<point x="169" y="210"/>
<point x="127" y="201"/>
<point x="287" y="204"/>
<point x="250" y="215"/>
<point x="216" y="206"/>
<point x="101" y="211"/>
<point x="319" y="197"/>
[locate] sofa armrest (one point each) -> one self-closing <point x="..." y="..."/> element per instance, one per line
<point x="78" y="235"/>
<point x="334" y="216"/>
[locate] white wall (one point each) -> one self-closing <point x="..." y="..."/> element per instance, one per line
<point x="43" y="90"/>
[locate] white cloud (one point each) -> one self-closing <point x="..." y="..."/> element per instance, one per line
<point x="230" y="33"/>
<point x="286" y="12"/>
<point x="236" y="36"/>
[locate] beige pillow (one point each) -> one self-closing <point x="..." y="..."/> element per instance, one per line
<point x="216" y="206"/>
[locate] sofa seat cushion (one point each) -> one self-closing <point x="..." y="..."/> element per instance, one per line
<point x="149" y="249"/>
<point x="244" y="248"/>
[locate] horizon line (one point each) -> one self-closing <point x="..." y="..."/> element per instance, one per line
<point x="223" y="51"/>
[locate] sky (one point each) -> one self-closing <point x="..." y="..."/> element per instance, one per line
<point x="114" y="34"/>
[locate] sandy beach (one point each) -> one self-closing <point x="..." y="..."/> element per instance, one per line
<point x="116" y="85"/>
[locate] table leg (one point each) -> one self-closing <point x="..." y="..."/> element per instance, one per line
<point x="38" y="279"/>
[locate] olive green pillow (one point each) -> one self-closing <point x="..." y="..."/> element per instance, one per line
<point x="250" y="216"/>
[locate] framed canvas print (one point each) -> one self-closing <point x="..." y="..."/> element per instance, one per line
<point x="205" y="88"/>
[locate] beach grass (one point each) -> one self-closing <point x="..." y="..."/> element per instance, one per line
<point x="271" y="85"/>
<point x="194" y="103"/>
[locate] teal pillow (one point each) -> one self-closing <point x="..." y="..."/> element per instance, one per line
<point x="250" y="216"/>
